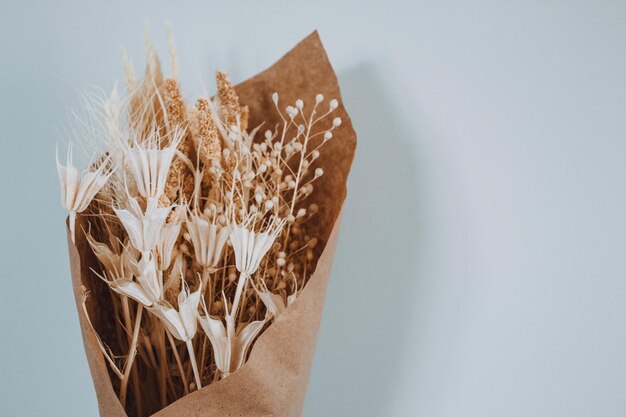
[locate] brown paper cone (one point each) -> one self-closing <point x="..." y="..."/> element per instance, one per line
<point x="273" y="381"/>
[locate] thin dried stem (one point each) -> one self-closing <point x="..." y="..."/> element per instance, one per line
<point x="131" y="355"/>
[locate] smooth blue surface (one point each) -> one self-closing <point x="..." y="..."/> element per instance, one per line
<point x="481" y="268"/>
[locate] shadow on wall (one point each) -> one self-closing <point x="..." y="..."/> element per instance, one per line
<point x="362" y="343"/>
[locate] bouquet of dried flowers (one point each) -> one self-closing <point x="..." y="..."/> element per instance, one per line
<point x="195" y="227"/>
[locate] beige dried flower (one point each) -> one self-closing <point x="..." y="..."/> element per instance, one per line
<point x="182" y="323"/>
<point x="275" y="303"/>
<point x="165" y="244"/>
<point x="230" y="345"/>
<point x="250" y="246"/>
<point x="208" y="238"/>
<point x="150" y="164"/>
<point x="148" y="289"/>
<point x="143" y="226"/>
<point x="79" y="188"/>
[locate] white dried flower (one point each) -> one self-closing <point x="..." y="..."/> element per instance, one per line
<point x="182" y="323"/>
<point x="79" y="188"/>
<point x="165" y="245"/>
<point x="149" y="278"/>
<point x="216" y="332"/>
<point x="230" y="345"/>
<point x="150" y="164"/>
<point x="116" y="265"/>
<point x="274" y="302"/>
<point x="250" y="246"/>
<point x="208" y="238"/>
<point x="148" y="289"/>
<point x="111" y="261"/>
<point x="143" y="228"/>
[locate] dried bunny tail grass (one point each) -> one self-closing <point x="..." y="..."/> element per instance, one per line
<point x="114" y="121"/>
<point x="101" y="132"/>
<point x="132" y="82"/>
<point x="231" y="111"/>
<point x="171" y="51"/>
<point x="153" y="74"/>
<point x="87" y="126"/>
<point x="99" y="128"/>
<point x="147" y="109"/>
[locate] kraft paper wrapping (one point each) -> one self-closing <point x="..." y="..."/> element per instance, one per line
<point x="274" y="379"/>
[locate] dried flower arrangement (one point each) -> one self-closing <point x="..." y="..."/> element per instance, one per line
<point x="203" y="229"/>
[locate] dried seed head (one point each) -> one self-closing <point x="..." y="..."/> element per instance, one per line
<point x="229" y="102"/>
<point x="291" y="111"/>
<point x="206" y="138"/>
<point x="174" y="103"/>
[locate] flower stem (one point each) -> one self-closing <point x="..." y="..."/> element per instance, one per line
<point x="238" y="291"/>
<point x="131" y="356"/>
<point x="206" y="274"/>
<point x="73" y="225"/>
<point x="203" y="354"/>
<point x="178" y="362"/>
<point x="194" y="365"/>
